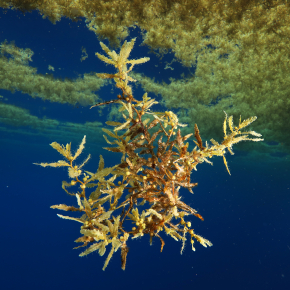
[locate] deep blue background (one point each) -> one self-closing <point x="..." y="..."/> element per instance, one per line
<point x="246" y="214"/>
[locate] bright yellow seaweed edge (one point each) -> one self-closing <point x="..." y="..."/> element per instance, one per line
<point x="143" y="189"/>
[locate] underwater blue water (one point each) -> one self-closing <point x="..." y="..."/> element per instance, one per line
<point x="247" y="214"/>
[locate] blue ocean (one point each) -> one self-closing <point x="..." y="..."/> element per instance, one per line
<point x="246" y="214"/>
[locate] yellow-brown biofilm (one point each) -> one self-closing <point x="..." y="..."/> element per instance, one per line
<point x="140" y="195"/>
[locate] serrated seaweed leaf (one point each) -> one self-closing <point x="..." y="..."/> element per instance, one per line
<point x="123" y="126"/>
<point x="247" y="122"/>
<point x="113" y="149"/>
<point x="102" y="248"/>
<point x="107" y="140"/>
<point x="231" y="124"/>
<point x="105" y="59"/>
<point x="187" y="136"/>
<point x="110" y="133"/>
<point x="70" y="218"/>
<point x="153" y="124"/>
<point x="105" y="216"/>
<point x="64" y="185"/>
<point x="108" y="258"/>
<point x="59" y="163"/>
<point x="198" y="138"/>
<point x="102" y="173"/>
<point x="112" y="123"/>
<point x="101" y="163"/>
<point x="80" y="149"/>
<point x="65" y="207"/>
<point x="91" y="249"/>
<point x="63" y="151"/>
<point x="225" y="125"/>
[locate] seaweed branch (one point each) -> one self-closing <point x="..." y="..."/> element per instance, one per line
<point x="140" y="195"/>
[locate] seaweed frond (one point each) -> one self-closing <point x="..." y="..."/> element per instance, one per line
<point x="140" y="195"/>
<point x="120" y="61"/>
